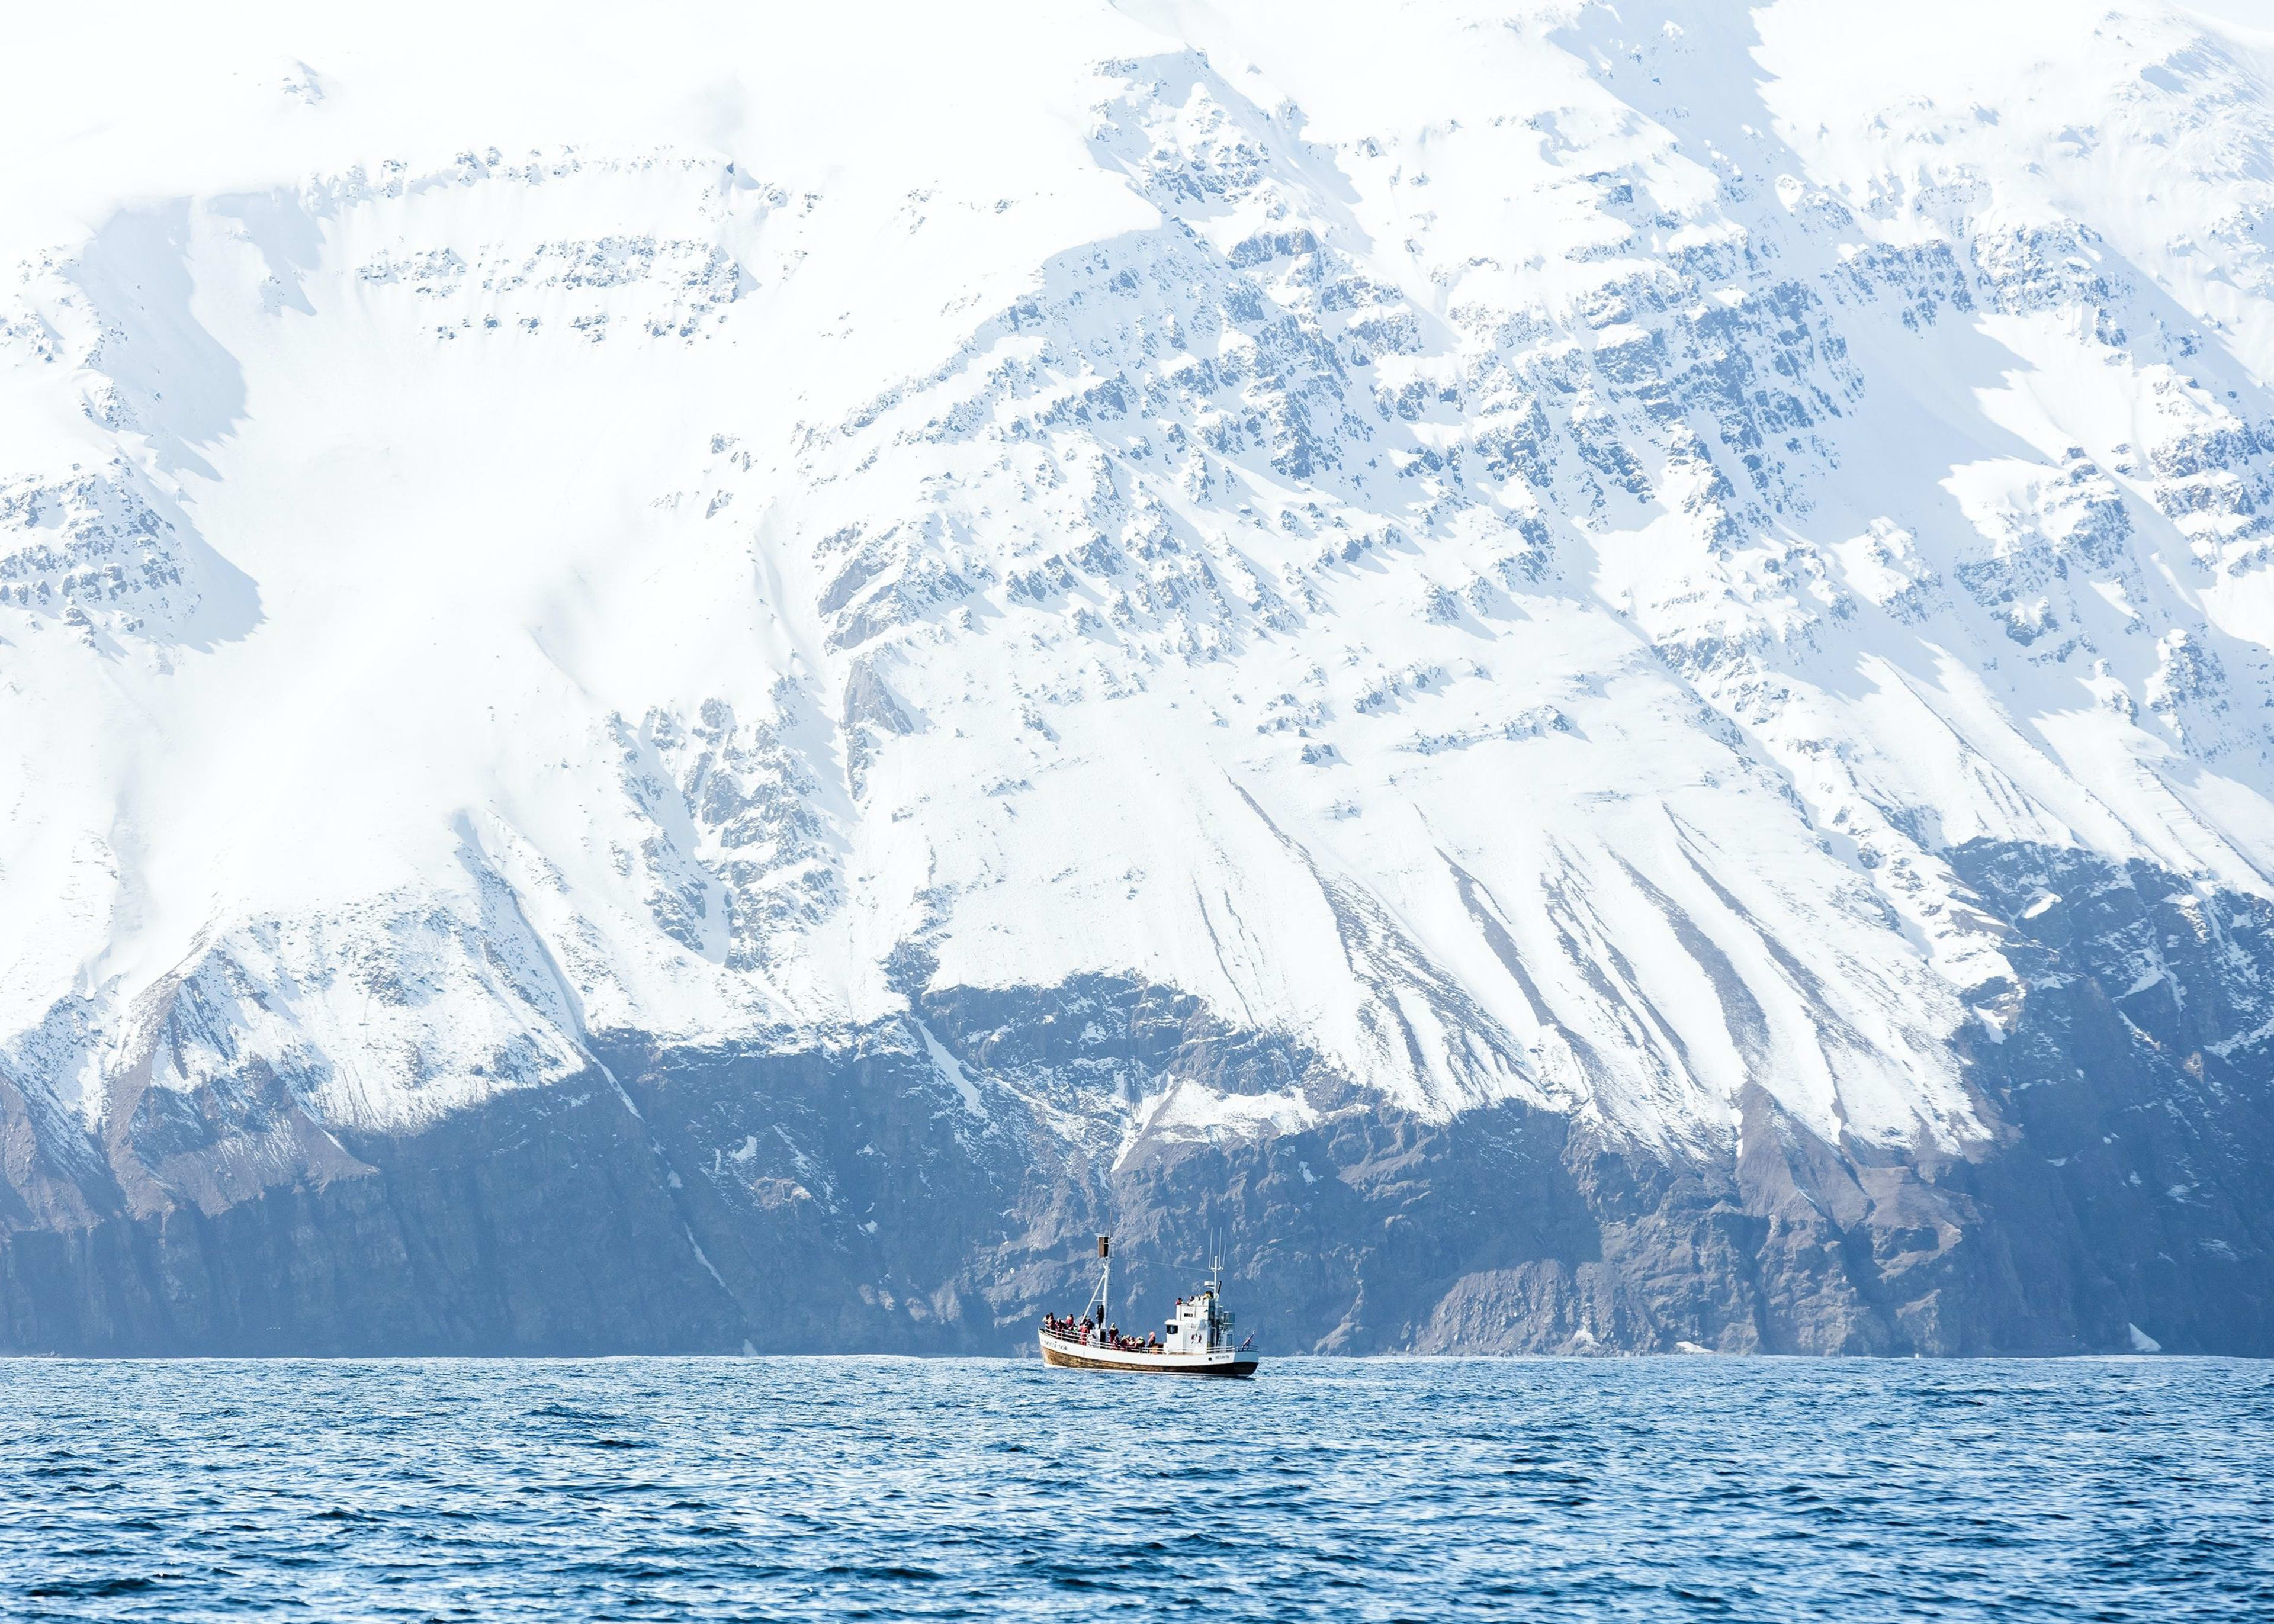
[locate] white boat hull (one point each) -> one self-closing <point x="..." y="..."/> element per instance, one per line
<point x="1068" y="1354"/>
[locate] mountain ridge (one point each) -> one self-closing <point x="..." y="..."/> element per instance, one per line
<point x="1528" y="586"/>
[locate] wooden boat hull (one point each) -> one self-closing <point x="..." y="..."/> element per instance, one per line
<point x="1078" y="1356"/>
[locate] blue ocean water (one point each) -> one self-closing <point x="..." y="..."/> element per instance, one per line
<point x="858" y="1488"/>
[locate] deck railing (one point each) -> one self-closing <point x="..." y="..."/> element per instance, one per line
<point x="1098" y="1344"/>
<point x="1095" y="1339"/>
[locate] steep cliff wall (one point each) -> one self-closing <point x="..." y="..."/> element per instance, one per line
<point x="933" y="1187"/>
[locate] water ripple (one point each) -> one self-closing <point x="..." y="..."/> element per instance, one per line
<point x="889" y="1489"/>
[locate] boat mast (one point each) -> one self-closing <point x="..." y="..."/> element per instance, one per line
<point x="1105" y="1280"/>
<point x="1215" y="1289"/>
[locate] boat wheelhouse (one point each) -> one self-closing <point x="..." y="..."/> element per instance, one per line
<point x="1197" y="1339"/>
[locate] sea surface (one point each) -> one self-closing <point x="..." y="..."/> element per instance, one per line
<point x="878" y="1488"/>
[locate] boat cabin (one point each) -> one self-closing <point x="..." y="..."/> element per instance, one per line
<point x="1200" y="1327"/>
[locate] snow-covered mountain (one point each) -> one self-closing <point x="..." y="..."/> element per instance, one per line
<point x="1601" y="673"/>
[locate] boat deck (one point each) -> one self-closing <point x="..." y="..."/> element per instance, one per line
<point x="1073" y="1353"/>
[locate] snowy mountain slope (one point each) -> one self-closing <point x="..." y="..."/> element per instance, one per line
<point x="1524" y="558"/>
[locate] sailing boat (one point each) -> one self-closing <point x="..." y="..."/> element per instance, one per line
<point x="1197" y="1340"/>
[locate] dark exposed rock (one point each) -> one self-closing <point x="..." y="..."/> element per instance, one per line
<point x="710" y="1200"/>
<point x="530" y="1228"/>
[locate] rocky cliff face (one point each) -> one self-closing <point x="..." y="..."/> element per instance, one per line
<point x="1594" y="678"/>
<point x="931" y="1185"/>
